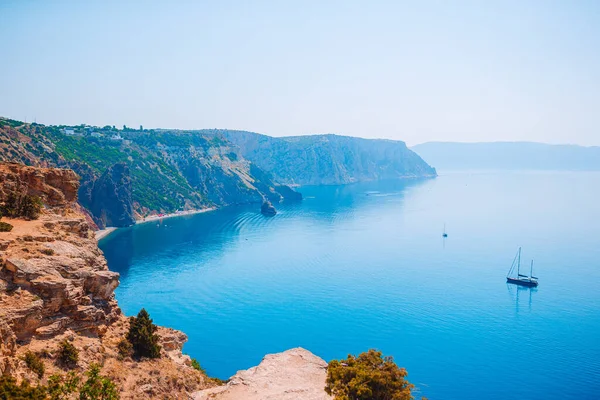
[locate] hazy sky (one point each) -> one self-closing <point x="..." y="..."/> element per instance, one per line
<point x="415" y="70"/>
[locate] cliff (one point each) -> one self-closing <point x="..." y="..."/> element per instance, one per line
<point x="329" y="159"/>
<point x="55" y="286"/>
<point x="292" y="375"/>
<point x="165" y="170"/>
<point x="109" y="197"/>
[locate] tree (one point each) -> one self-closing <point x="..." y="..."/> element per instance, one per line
<point x="97" y="387"/>
<point x="142" y="336"/>
<point x="9" y="390"/>
<point x="367" y="377"/>
<point x="68" y="355"/>
<point x="60" y="387"/>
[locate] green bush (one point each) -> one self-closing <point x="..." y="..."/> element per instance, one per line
<point x="21" y="206"/>
<point x="68" y="355"/>
<point x="196" y="365"/>
<point x="97" y="387"/>
<point x="60" y="387"/>
<point x="9" y="390"/>
<point x="125" y="349"/>
<point x="34" y="363"/>
<point x="5" y="226"/>
<point x="142" y="336"/>
<point x="367" y="377"/>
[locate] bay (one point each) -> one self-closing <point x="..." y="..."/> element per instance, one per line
<point x="365" y="266"/>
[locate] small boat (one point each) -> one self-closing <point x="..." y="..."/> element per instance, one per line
<point x="444" y="234"/>
<point x="520" y="279"/>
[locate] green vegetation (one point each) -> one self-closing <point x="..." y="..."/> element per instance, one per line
<point x="5" y="226"/>
<point x="367" y="377"/>
<point x="125" y="348"/>
<point x="97" y="387"/>
<point x="60" y="387"/>
<point x="21" y="206"/>
<point x="142" y="336"/>
<point x="196" y="365"/>
<point x="34" y="363"/>
<point x="68" y="355"/>
<point x="9" y="390"/>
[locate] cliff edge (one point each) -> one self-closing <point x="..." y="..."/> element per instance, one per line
<point x="291" y="375"/>
<point x="55" y="286"/>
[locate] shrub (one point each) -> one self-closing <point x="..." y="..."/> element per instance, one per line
<point x="125" y="348"/>
<point x="97" y="387"/>
<point x="196" y="365"/>
<point x="367" y="377"/>
<point x="5" y="226"/>
<point x="62" y="386"/>
<point x="48" y="252"/>
<point x="68" y="355"/>
<point x="9" y="390"/>
<point x="21" y="206"/>
<point x="142" y="336"/>
<point x="34" y="363"/>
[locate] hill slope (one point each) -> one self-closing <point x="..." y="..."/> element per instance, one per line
<point x="509" y="155"/>
<point x="162" y="171"/>
<point x="329" y="159"/>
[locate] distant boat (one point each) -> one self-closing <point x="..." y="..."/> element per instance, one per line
<point x="444" y="234"/>
<point x="520" y="279"/>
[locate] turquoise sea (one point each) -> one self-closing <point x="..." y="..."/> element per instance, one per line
<point x="365" y="266"/>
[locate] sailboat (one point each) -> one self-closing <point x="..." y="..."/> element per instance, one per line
<point x="520" y="279"/>
<point x="444" y="234"/>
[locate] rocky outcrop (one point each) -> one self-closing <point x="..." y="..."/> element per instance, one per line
<point x="55" y="285"/>
<point x="55" y="187"/>
<point x="296" y="374"/>
<point x="108" y="198"/>
<point x="267" y="209"/>
<point x="329" y="159"/>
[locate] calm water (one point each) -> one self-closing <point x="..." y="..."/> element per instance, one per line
<point x="364" y="266"/>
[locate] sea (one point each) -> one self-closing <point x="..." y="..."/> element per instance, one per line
<point x="365" y="265"/>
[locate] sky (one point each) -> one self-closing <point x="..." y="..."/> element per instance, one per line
<point x="416" y="71"/>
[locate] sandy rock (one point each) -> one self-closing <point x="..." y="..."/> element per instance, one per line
<point x="295" y="374"/>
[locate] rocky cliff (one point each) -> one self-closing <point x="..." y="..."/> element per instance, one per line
<point x="55" y="286"/>
<point x="165" y="170"/>
<point x="109" y="197"/>
<point x="292" y="375"/>
<point x="329" y="159"/>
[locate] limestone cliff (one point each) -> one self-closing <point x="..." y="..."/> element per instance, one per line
<point x="55" y="285"/>
<point x="109" y="197"/>
<point x="329" y="159"/>
<point x="292" y="375"/>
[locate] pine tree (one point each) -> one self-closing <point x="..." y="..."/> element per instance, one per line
<point x="142" y="336"/>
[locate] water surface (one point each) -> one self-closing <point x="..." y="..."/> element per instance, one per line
<point x="365" y="266"/>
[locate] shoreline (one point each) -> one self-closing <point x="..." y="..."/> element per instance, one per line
<point x="102" y="233"/>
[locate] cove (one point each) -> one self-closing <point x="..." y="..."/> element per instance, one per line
<point x="365" y="266"/>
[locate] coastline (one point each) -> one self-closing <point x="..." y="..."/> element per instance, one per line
<point x="102" y="233"/>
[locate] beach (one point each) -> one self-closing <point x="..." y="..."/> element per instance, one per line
<point x="102" y="233"/>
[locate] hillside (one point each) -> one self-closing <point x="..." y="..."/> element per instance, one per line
<point x="509" y="156"/>
<point x="329" y="159"/>
<point x="55" y="288"/>
<point x="127" y="174"/>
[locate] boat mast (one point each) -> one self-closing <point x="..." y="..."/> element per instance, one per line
<point x="519" y="263"/>
<point x="531" y="270"/>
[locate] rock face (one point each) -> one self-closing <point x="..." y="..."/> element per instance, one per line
<point x="329" y="159"/>
<point x="55" y="285"/>
<point x="109" y="198"/>
<point x="268" y="209"/>
<point x="296" y="374"/>
<point x="168" y="170"/>
<point x="55" y="187"/>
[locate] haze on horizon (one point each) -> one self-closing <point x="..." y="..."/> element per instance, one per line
<point x="413" y="71"/>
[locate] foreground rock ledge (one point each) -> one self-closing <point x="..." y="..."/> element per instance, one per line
<point x="296" y="374"/>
